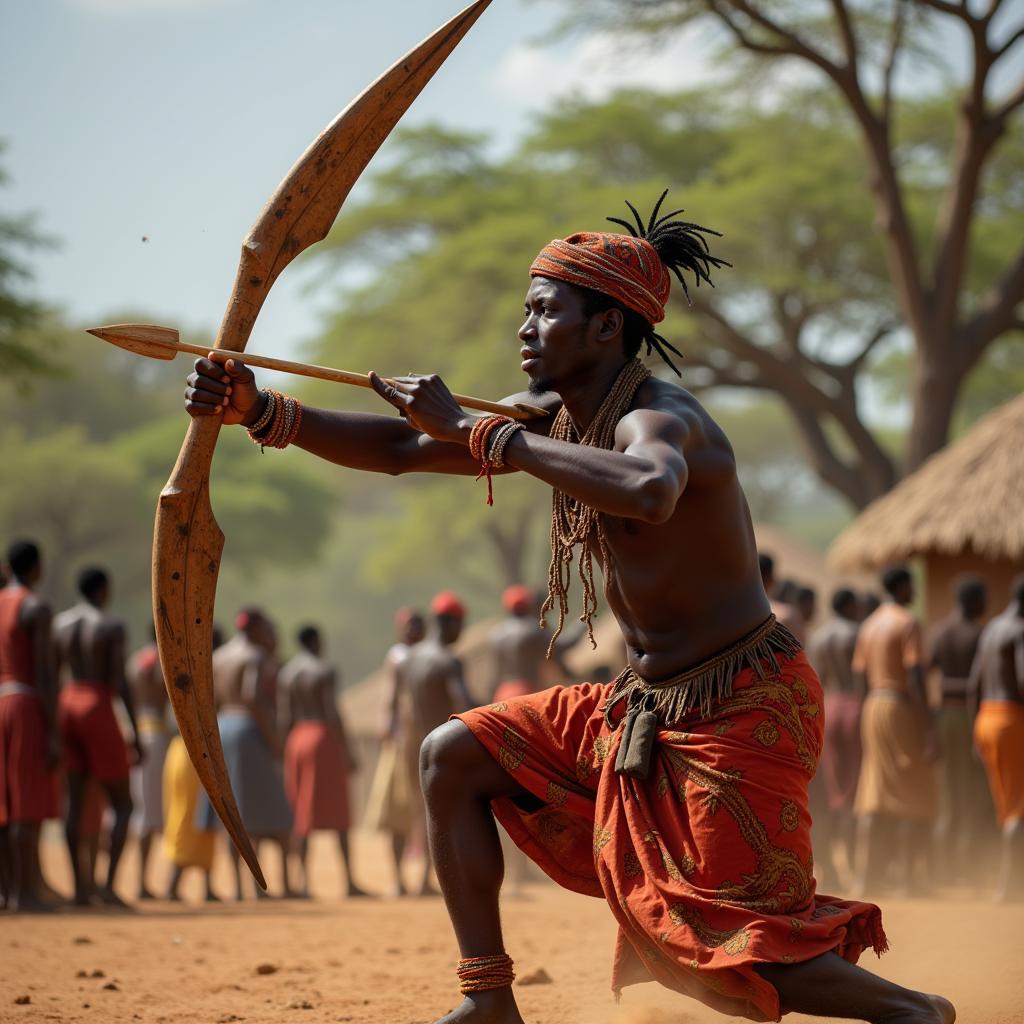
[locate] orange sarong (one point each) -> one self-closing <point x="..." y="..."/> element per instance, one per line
<point x="999" y="737"/>
<point x="707" y="863"/>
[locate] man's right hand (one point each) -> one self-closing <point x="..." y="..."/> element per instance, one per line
<point x="222" y="385"/>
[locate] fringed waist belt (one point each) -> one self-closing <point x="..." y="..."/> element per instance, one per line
<point x="666" y="702"/>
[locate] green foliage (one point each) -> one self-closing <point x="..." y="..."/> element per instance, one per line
<point x="19" y="236"/>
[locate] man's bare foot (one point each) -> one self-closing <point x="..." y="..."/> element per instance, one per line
<point x="495" y="1007"/>
<point x="108" y="898"/>
<point x="353" y="892"/>
<point x="30" y="905"/>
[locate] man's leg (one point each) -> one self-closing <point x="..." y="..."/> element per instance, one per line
<point x="25" y="844"/>
<point x="829" y="986"/>
<point x="6" y="866"/>
<point x="72" y="834"/>
<point x="284" y="842"/>
<point x="121" y="802"/>
<point x="398" y="852"/>
<point x="145" y="846"/>
<point x="172" y="887"/>
<point x="302" y="845"/>
<point x="459" y="780"/>
<point x="351" y="889"/>
<point x="1010" y="887"/>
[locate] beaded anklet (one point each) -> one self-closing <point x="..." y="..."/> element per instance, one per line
<point x="484" y="973"/>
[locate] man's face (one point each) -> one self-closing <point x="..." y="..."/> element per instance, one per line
<point x="554" y="334"/>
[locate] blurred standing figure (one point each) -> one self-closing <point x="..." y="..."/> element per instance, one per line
<point x="388" y="803"/>
<point x="29" y="741"/>
<point x="431" y="688"/>
<point x="520" y="646"/>
<point x="785" y="612"/>
<point x="965" y="804"/>
<point x="90" y="645"/>
<point x="147" y="779"/>
<point x="997" y="681"/>
<point x="244" y="684"/>
<point x="317" y="757"/>
<point x="897" y="790"/>
<point x="831" y="653"/>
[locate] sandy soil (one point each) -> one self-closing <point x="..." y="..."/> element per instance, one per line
<point x="387" y="960"/>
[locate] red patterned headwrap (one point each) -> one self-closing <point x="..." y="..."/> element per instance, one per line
<point x="446" y="603"/>
<point x="517" y="599"/>
<point x="626" y="268"/>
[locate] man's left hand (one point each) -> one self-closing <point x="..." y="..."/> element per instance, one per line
<point x="426" y="402"/>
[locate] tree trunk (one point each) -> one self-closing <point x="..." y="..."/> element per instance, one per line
<point x="934" y="387"/>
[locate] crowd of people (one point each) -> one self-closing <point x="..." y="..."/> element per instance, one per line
<point x="914" y="782"/>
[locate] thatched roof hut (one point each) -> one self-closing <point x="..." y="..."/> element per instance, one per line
<point x="962" y="511"/>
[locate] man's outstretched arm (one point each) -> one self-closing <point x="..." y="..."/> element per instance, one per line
<point x="224" y="386"/>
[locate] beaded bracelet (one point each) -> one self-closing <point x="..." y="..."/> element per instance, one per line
<point x="279" y="424"/>
<point x="479" y="440"/>
<point x="502" y="436"/>
<point x="484" y="973"/>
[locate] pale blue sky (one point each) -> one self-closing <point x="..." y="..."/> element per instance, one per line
<point x="175" y="120"/>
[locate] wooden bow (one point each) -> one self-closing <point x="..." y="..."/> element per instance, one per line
<point x="187" y="541"/>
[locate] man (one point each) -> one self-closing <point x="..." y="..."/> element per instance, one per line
<point x="90" y="646"/>
<point x="151" y="703"/>
<point x="783" y="610"/>
<point x="997" y="681"/>
<point x="966" y="808"/>
<point x="897" y="793"/>
<point x="29" y="741"/>
<point x="520" y="645"/>
<point x="317" y="758"/>
<point x="388" y="802"/>
<point x="830" y="651"/>
<point x="431" y="688"/>
<point x="705" y="862"/>
<point x="244" y="683"/>
<point x="186" y="844"/>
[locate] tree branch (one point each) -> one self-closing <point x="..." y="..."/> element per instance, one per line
<point x="997" y="312"/>
<point x="899" y="22"/>
<point x="1005" y="48"/>
<point x="1009" y="105"/>
<point x="846" y="33"/>
<point x="955" y="10"/>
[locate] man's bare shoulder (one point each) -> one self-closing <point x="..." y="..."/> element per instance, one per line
<point x="670" y="412"/>
<point x="34" y="611"/>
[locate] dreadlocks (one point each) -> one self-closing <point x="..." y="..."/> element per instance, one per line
<point x="681" y="246"/>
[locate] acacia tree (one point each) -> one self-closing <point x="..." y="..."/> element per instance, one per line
<point x="859" y="47"/>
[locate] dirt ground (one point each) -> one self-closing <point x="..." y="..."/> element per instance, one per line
<point x="392" y="960"/>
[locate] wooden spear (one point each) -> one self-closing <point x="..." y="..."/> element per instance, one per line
<point x="163" y="343"/>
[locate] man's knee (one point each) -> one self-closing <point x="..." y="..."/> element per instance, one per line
<point x="449" y="750"/>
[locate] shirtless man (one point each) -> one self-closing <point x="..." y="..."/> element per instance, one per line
<point x="431" y="688"/>
<point x="831" y="653"/>
<point x="520" y="646"/>
<point x="29" y="741"/>
<point x="897" y="792"/>
<point x="966" y="810"/>
<point x="149" y="695"/>
<point x="90" y="647"/>
<point x="317" y="758"/>
<point x="996" y="699"/>
<point x="243" y="685"/>
<point x="642" y="472"/>
<point x="783" y="610"/>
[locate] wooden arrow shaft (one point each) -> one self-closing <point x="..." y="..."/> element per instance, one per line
<point x="361" y="380"/>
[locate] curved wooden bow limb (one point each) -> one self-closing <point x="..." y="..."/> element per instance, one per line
<point x="187" y="541"/>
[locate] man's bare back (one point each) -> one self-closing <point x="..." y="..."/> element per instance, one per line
<point x="999" y="663"/>
<point x="238" y="669"/>
<point x="91" y="644"/>
<point x="306" y="689"/>
<point x="146" y="683"/>
<point x="431" y="686"/>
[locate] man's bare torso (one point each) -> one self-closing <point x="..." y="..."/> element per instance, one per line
<point x="954" y="645"/>
<point x="238" y="668"/>
<point x="429" y="678"/>
<point x="146" y="683"/>
<point x="831" y="653"/>
<point x="90" y="643"/>
<point x="684" y="589"/>
<point x="520" y="646"/>
<point x="307" y="682"/>
<point x="1000" y="660"/>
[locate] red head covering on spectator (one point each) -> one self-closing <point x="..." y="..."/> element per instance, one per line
<point x="446" y="603"/>
<point x="517" y="599"/>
